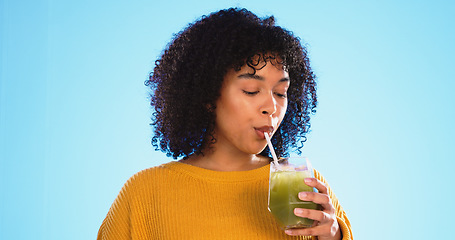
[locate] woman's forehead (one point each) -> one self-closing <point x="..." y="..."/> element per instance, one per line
<point x="258" y="61"/>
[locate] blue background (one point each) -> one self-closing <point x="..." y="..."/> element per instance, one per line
<point x="74" y="114"/>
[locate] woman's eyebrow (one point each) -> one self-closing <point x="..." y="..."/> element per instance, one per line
<point x="257" y="77"/>
<point x="253" y="76"/>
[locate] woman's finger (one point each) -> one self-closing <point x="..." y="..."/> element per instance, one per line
<point x="318" y="198"/>
<point x="320" y="230"/>
<point x="313" y="182"/>
<point x="317" y="215"/>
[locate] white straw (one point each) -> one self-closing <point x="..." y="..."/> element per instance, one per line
<point x="272" y="151"/>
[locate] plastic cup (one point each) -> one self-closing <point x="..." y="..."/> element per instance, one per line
<point x="285" y="183"/>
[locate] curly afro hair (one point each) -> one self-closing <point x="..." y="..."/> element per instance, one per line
<point x="187" y="79"/>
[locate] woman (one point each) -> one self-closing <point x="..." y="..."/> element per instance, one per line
<point x="222" y="84"/>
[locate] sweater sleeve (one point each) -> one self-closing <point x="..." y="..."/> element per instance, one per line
<point x="117" y="223"/>
<point x="343" y="221"/>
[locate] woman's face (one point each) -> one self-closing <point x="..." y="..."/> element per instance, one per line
<point x="249" y="106"/>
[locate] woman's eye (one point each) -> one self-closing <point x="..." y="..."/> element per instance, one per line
<point x="281" y="95"/>
<point x="250" y="93"/>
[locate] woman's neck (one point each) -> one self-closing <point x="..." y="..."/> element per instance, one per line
<point x="219" y="160"/>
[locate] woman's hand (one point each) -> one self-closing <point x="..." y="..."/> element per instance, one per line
<point x="326" y="225"/>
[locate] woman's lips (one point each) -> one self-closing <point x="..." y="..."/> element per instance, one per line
<point x="261" y="130"/>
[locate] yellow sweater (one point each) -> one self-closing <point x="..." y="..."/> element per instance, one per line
<point x="180" y="201"/>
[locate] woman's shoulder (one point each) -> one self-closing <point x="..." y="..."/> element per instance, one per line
<point x="152" y="173"/>
<point x="148" y="180"/>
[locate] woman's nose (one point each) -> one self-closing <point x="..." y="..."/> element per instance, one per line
<point x="269" y="105"/>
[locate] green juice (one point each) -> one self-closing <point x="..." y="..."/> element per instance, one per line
<point x="283" y="198"/>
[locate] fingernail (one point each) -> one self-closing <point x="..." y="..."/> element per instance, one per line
<point x="298" y="211"/>
<point x="308" y="180"/>
<point x="303" y="195"/>
<point x="288" y="232"/>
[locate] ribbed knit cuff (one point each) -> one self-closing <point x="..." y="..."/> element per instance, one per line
<point x="344" y="229"/>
